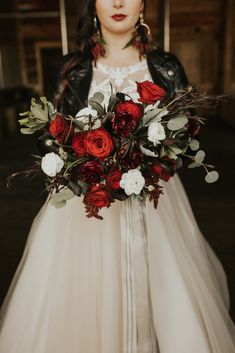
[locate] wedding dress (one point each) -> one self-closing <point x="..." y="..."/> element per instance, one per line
<point x="139" y="281"/>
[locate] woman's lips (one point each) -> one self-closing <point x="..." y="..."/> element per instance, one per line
<point x="119" y="17"/>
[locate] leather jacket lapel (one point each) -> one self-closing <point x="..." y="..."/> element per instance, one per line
<point x="165" y="69"/>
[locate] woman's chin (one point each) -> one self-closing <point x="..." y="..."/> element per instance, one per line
<point x="120" y="28"/>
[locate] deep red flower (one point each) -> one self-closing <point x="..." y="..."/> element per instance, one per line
<point x="79" y="143"/>
<point x="136" y="110"/>
<point x="123" y="124"/>
<point x="132" y="159"/>
<point x="99" y="143"/>
<point x="164" y="169"/>
<point x="98" y="196"/>
<point x="60" y="129"/>
<point x="113" y="178"/>
<point x="92" y="172"/>
<point x="149" y="92"/>
<point x="193" y="126"/>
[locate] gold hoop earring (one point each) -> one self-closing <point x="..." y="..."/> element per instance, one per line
<point x="143" y="24"/>
<point x="96" y="25"/>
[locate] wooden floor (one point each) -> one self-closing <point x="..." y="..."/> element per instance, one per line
<point x="213" y="204"/>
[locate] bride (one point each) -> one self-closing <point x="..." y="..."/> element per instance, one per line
<point x="141" y="280"/>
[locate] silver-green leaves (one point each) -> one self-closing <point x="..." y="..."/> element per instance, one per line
<point x="212" y="176"/>
<point x="60" y="199"/>
<point x="37" y="117"/>
<point x="177" y="122"/>
<point x="96" y="103"/>
<point x="194" y="145"/>
<point x="198" y="159"/>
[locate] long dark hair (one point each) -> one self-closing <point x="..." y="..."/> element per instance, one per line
<point x="85" y="31"/>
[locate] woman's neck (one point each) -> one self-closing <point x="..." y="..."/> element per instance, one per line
<point x="115" y="55"/>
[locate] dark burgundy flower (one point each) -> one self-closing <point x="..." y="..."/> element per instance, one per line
<point x="164" y="169"/>
<point x="149" y="92"/>
<point x="193" y="126"/>
<point x="92" y="172"/>
<point x="136" y="110"/>
<point x="132" y="159"/>
<point x="123" y="124"/>
<point x="97" y="197"/>
<point x="155" y="194"/>
<point x="113" y="178"/>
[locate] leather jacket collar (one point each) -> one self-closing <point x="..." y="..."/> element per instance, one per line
<point x="165" y="69"/>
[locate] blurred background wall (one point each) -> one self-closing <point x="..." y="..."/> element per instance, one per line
<point x="33" y="34"/>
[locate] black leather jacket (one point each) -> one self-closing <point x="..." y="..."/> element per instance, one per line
<point x="165" y="69"/>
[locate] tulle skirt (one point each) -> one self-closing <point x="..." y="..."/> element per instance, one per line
<point x="139" y="281"/>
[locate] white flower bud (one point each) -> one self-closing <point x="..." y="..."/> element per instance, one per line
<point x="52" y="164"/>
<point x="156" y="132"/>
<point x="132" y="182"/>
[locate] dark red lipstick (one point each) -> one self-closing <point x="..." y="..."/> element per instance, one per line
<point x="119" y="17"/>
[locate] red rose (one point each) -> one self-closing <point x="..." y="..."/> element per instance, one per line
<point x="79" y="143"/>
<point x="136" y="110"/>
<point x="149" y="92"/>
<point x="92" y="172"/>
<point x="97" y="196"/>
<point x="113" y="178"/>
<point x="60" y="129"/>
<point x="99" y="143"/>
<point x="123" y="124"/>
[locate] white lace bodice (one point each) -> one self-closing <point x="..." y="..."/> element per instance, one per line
<point x="122" y="79"/>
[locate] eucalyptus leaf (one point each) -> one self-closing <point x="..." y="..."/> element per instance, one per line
<point x="51" y="109"/>
<point x="147" y="152"/>
<point x="179" y="163"/>
<point x="194" y="165"/>
<point x="162" y="152"/>
<point x="177" y="123"/>
<point x="23" y="121"/>
<point x="43" y="100"/>
<point x="98" y="97"/>
<point x="175" y="149"/>
<point x="199" y="157"/>
<point x="112" y="101"/>
<point x="39" y="112"/>
<point x="194" y="145"/>
<point x="58" y="204"/>
<point x="83" y="185"/>
<point x="172" y="155"/>
<point x="151" y="115"/>
<point x="79" y="124"/>
<point x="212" y="176"/>
<point x="27" y="131"/>
<point x="24" y="113"/>
<point x="96" y="106"/>
<point x="58" y="200"/>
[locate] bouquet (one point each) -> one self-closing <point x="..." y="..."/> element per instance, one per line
<point x="109" y="152"/>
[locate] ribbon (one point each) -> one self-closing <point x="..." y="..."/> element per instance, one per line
<point x="139" y="334"/>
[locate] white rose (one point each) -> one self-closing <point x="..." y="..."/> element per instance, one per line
<point x="132" y="182"/>
<point x="156" y="132"/>
<point x="83" y="116"/>
<point x="52" y="164"/>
